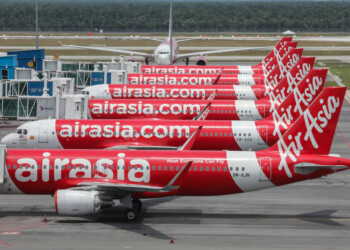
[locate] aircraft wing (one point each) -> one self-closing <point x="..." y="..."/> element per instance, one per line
<point x="124" y="186"/>
<point x="209" y="52"/>
<point x="188" y="39"/>
<point x="148" y="38"/>
<point x="128" y="52"/>
<point x="186" y="146"/>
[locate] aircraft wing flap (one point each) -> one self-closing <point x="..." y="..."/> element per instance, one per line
<point x="129" y="52"/>
<point x="124" y="186"/>
<point x="209" y="52"/>
<point x="119" y="186"/>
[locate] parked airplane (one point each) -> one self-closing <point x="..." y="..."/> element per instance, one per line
<point x="199" y="69"/>
<point x="218" y="109"/>
<point x="283" y="58"/>
<point x="166" y="52"/>
<point x="235" y="92"/>
<point x="87" y="181"/>
<point x="170" y="134"/>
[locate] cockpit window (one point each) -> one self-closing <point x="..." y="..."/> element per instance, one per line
<point x="163" y="52"/>
<point x="22" y="131"/>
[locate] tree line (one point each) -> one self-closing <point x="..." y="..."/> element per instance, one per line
<point x="189" y="16"/>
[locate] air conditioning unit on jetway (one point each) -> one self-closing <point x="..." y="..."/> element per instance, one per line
<point x="118" y="77"/>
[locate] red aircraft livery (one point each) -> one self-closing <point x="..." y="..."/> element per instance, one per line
<point x="163" y="134"/>
<point x="189" y="109"/>
<point x="257" y="69"/>
<point x="87" y="181"/>
<point x="187" y="79"/>
<point x="297" y="68"/>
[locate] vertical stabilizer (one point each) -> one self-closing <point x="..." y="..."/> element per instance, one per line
<point x="313" y="132"/>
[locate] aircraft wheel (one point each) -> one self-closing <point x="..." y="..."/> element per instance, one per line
<point x="131" y="214"/>
<point x="137" y="204"/>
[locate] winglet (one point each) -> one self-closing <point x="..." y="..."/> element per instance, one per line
<point x="203" y="114"/>
<point x="176" y="181"/>
<point x="212" y="96"/>
<point x="190" y="141"/>
<point x="215" y="82"/>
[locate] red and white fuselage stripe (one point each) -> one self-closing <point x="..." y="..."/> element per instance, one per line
<point x="223" y="92"/>
<point x="186" y="79"/>
<point x="179" y="109"/>
<point x="211" y="173"/>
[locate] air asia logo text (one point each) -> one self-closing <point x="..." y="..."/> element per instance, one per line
<point x="176" y="70"/>
<point x="157" y="92"/>
<point x="319" y="122"/>
<point x="147" y="108"/>
<point x="293" y="78"/>
<point x="285" y="68"/>
<point x="172" y="80"/>
<point x="299" y="75"/>
<point x="304" y="98"/>
<point x="137" y="170"/>
<point x="125" y="131"/>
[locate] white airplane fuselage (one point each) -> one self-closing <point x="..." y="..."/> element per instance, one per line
<point x="162" y="52"/>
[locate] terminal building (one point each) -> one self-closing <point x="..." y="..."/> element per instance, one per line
<point x="34" y="88"/>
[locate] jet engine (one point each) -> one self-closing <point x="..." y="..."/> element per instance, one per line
<point x="201" y="61"/>
<point x="130" y="59"/>
<point x="74" y="202"/>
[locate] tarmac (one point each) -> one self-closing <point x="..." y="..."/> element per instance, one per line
<point x="313" y="214"/>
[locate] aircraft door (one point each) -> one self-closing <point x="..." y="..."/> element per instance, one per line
<point x="43" y="133"/>
<point x="262" y="139"/>
<point x="266" y="169"/>
<point x="2" y="163"/>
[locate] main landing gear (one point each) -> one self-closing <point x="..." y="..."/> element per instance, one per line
<point x="132" y="213"/>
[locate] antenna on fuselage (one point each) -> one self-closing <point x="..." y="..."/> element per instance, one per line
<point x="171" y="31"/>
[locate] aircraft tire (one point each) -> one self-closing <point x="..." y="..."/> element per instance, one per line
<point x="131" y="214"/>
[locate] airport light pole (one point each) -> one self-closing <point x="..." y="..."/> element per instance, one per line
<point x="171" y="32"/>
<point x="36" y="24"/>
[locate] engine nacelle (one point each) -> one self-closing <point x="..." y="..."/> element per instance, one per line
<point x="201" y="61"/>
<point x="130" y="59"/>
<point x="74" y="202"/>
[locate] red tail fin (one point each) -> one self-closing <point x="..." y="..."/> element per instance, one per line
<point x="298" y="101"/>
<point x="276" y="61"/>
<point x="278" y="73"/>
<point x="291" y="79"/>
<point x="277" y="48"/>
<point x="313" y="132"/>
